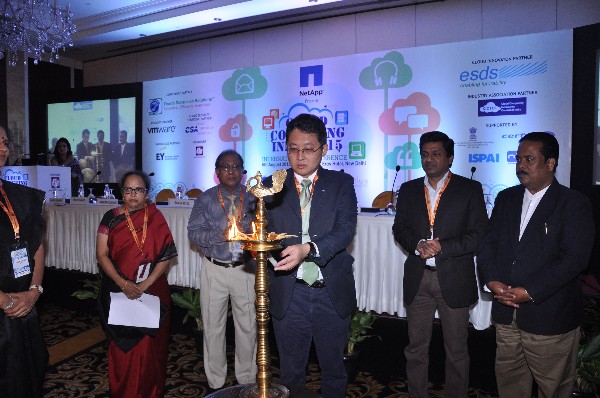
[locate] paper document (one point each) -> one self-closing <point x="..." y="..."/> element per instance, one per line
<point x="143" y="312"/>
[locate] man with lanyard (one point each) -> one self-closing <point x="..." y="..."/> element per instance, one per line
<point x="312" y="285"/>
<point x="439" y="221"/>
<point x="226" y="271"/>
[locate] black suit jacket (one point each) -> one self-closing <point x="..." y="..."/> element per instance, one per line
<point x="126" y="159"/>
<point x="554" y="249"/>
<point x="81" y="151"/>
<point x="333" y="215"/>
<point x="460" y="221"/>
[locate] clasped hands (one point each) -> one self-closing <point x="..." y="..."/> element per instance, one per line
<point x="508" y="295"/>
<point x="134" y="290"/>
<point x="23" y="303"/>
<point x="429" y="248"/>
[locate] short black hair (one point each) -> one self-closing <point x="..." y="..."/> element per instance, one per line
<point x="550" y="147"/>
<point x="438" y="136"/>
<point x="308" y="123"/>
<point x="228" y="152"/>
<point x="84" y="132"/>
<point x="138" y="173"/>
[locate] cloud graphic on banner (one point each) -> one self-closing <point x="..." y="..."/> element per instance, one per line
<point x="247" y="83"/>
<point x="231" y="131"/>
<point x="406" y="156"/>
<point x="413" y="115"/>
<point x="300" y="108"/>
<point x="490" y="107"/>
<point x="389" y="71"/>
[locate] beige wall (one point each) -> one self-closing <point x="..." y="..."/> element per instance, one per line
<point x="421" y="25"/>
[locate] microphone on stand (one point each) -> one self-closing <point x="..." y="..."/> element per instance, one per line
<point x="473" y="171"/>
<point x="95" y="175"/>
<point x="245" y="171"/>
<point x="394" y="183"/>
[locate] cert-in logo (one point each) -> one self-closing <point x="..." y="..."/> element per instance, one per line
<point x="155" y="106"/>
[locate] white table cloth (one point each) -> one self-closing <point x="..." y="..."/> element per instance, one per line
<point x="378" y="267"/>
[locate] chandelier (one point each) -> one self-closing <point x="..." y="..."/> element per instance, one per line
<point x="34" y="27"/>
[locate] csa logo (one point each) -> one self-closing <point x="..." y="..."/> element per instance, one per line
<point x="155" y="106"/>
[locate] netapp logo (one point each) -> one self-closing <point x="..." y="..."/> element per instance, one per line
<point x="164" y="129"/>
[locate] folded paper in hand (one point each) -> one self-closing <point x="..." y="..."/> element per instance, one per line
<point x="143" y="312"/>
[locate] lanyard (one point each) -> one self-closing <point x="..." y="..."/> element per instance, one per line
<point x="8" y="209"/>
<point x="430" y="213"/>
<point x="240" y="205"/>
<point x="139" y="244"/>
<point x="312" y="190"/>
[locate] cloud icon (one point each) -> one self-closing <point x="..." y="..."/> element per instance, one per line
<point x="298" y="108"/>
<point x="413" y="115"/>
<point x="406" y="156"/>
<point x="232" y="130"/>
<point x="490" y="107"/>
<point x="386" y="72"/>
<point x="247" y="83"/>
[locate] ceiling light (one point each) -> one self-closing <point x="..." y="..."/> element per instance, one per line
<point x="34" y="27"/>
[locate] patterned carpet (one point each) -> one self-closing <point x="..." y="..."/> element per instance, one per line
<point x="78" y="364"/>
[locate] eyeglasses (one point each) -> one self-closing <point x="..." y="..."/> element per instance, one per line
<point x="303" y="151"/>
<point x="230" y="167"/>
<point x="131" y="191"/>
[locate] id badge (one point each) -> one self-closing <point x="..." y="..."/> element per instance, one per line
<point x="20" y="259"/>
<point x="237" y="254"/>
<point x="143" y="272"/>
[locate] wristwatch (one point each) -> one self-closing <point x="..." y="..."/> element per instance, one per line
<point x="38" y="287"/>
<point x="312" y="253"/>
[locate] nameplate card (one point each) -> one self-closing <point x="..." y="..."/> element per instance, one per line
<point x="79" y="201"/>
<point x="181" y="202"/>
<point x="109" y="202"/>
<point x="57" y="201"/>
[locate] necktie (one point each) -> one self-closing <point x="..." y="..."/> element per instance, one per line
<point x="310" y="270"/>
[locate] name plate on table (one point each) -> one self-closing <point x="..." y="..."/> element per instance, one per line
<point x="79" y="201"/>
<point x="57" y="201"/>
<point x="109" y="202"/>
<point x="181" y="202"/>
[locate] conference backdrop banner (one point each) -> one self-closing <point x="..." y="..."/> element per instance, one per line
<point x="484" y="94"/>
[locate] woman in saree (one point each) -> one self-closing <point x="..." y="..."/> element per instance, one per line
<point x="134" y="247"/>
<point x="23" y="354"/>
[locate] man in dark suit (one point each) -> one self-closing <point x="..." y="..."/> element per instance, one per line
<point x="84" y="149"/>
<point x="104" y="157"/>
<point x="538" y="241"/>
<point x="439" y="220"/>
<point x="312" y="291"/>
<point x="123" y="156"/>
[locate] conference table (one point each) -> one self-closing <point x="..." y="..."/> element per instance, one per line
<point x="378" y="267"/>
